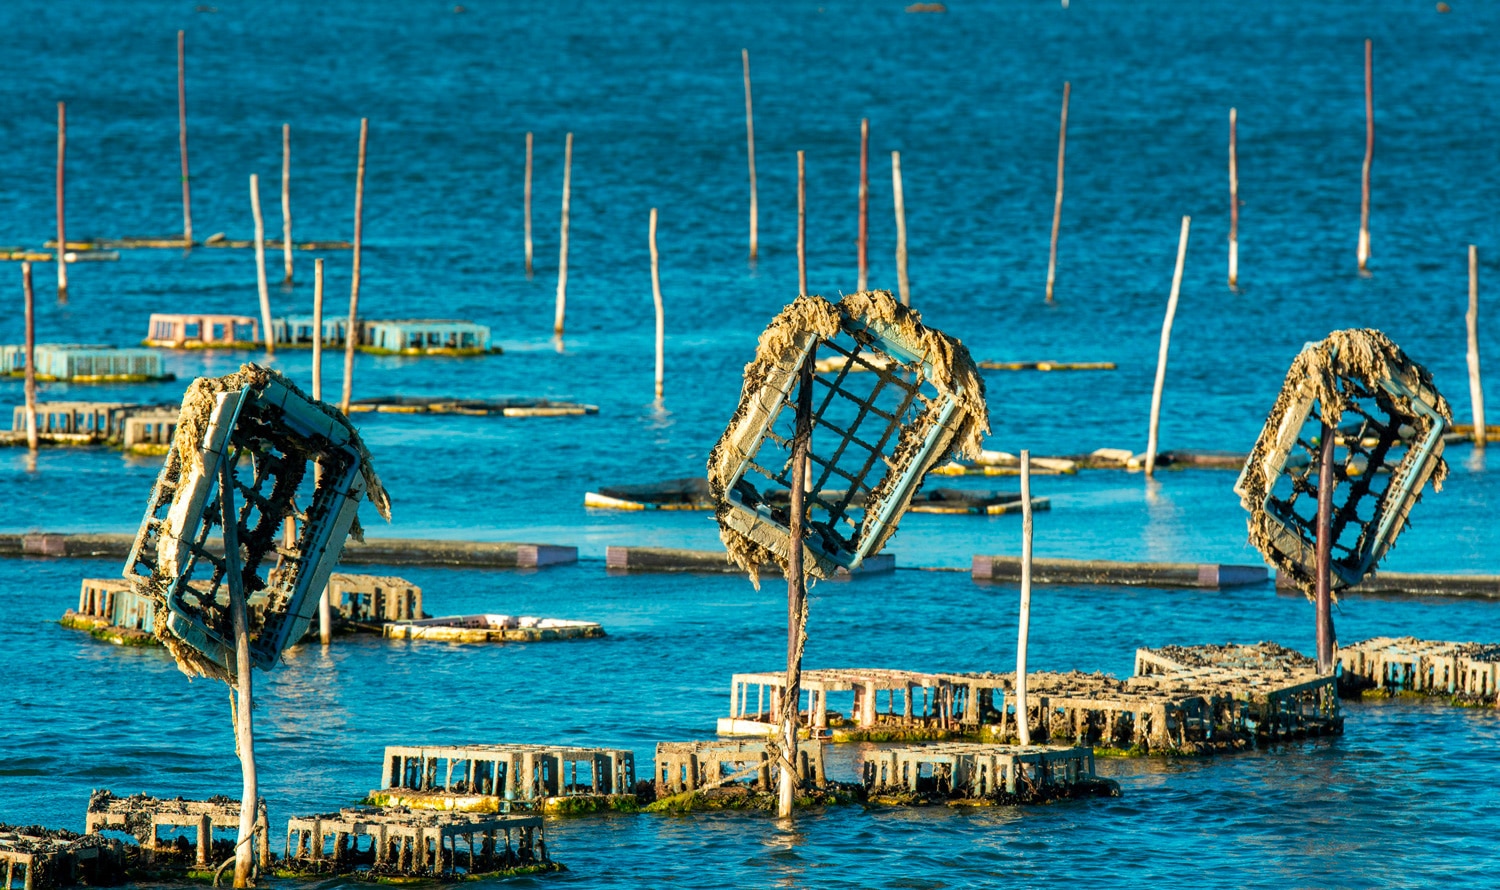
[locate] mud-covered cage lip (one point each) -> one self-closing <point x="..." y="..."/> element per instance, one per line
<point x="930" y="375"/>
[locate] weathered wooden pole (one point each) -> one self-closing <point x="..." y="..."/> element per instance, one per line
<point x="1325" y="550"/>
<point x="1364" y="203"/>
<point x="864" y="201"/>
<point x="528" y="205"/>
<point x="801" y="222"/>
<point x="1166" y="339"/>
<point x="244" y="735"/>
<point x="562" y="250"/>
<point x="286" y="200"/>
<point x="902" y="284"/>
<point x="351" y="333"/>
<point x="1062" y="151"/>
<point x="1234" y="205"/>
<point x="31" y="441"/>
<point x="1023" y="724"/>
<point x="62" y="235"/>
<point x="325" y="614"/>
<point x="661" y="328"/>
<point x="750" y="147"/>
<point x="187" y="197"/>
<point x="796" y="589"/>
<point x="260" y="265"/>
<point x="1476" y="391"/>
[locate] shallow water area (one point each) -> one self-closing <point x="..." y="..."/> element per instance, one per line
<point x="653" y="98"/>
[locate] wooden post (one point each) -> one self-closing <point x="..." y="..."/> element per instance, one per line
<point x="187" y="198"/>
<point x="902" y="284"/>
<point x="750" y="146"/>
<point x="31" y="441"/>
<point x="1476" y="391"/>
<point x="317" y="343"/>
<point x="864" y="201"/>
<point x="796" y="589"/>
<point x="260" y="265"/>
<point x="1234" y="206"/>
<point x="62" y="235"/>
<point x="286" y="200"/>
<point x="801" y="223"/>
<point x="1325" y="550"/>
<point x="1023" y="725"/>
<point x="1364" y="203"/>
<point x="244" y="735"/>
<point x="660" y="320"/>
<point x="528" y="205"/>
<point x="1062" y="149"/>
<point x="351" y="333"/>
<point x="1166" y="339"/>
<point x="562" y="250"/>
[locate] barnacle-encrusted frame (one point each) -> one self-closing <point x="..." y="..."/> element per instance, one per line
<point x="890" y="341"/>
<point x="1396" y="407"/>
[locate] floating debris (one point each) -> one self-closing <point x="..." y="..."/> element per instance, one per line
<point x="78" y="363"/>
<point x="497" y="778"/>
<point x="397" y="843"/>
<point x="491" y="629"/>
<point x="42" y="859"/>
<point x="144" y="817"/>
<point x="519" y="407"/>
<point x="1467" y="672"/>
<point x="968" y="774"/>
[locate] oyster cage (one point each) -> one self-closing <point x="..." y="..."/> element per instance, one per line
<point x="1388" y="422"/>
<point x="893" y="399"/>
<point x="270" y="437"/>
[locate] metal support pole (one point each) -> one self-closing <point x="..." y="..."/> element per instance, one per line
<point x="1325" y="551"/>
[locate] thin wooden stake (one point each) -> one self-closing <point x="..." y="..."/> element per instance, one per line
<point x="1062" y="150"/>
<point x="1234" y="205"/>
<point x="317" y="343"/>
<point x="750" y="148"/>
<point x="1166" y="339"/>
<point x="187" y="197"/>
<point x="1364" y="203"/>
<point x="244" y="730"/>
<point x="796" y="590"/>
<point x="286" y="200"/>
<point x="864" y="201"/>
<point x="1324" y="614"/>
<point x="902" y="284"/>
<point x="660" y="319"/>
<point x="801" y="223"/>
<point x="351" y="333"/>
<point x="260" y="265"/>
<point x="62" y="235"/>
<point x="562" y="250"/>
<point x="1023" y="725"/>
<point x="528" y="205"/>
<point x="31" y="440"/>
<point x="1476" y="390"/>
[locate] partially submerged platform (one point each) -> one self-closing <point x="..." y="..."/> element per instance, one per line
<point x="498" y="778"/>
<point x="1282" y="693"/>
<point x="34" y="858"/>
<point x="81" y="363"/>
<point x="832" y="363"/>
<point x="1464" y="672"/>
<point x="424" y="336"/>
<point x="1379" y="583"/>
<point x="1102" y="571"/>
<point x="690" y="493"/>
<point x="489" y="628"/>
<point x="111" y="609"/>
<point x="516" y="407"/>
<point x="400" y="843"/>
<point x="917" y="705"/>
<point x="969" y="773"/>
<point x="740" y="766"/>
<point x="671" y="559"/>
<point x="202" y="330"/>
<point x="144" y="817"/>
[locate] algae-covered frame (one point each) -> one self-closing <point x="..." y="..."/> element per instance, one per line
<point x="1383" y="456"/>
<point x="892" y="399"/>
<point x="272" y="436"/>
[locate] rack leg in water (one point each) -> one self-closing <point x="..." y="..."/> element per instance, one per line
<point x="1325" y="551"/>
<point x="796" y="590"/>
<point x="244" y="851"/>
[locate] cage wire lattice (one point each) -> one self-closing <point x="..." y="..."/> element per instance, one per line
<point x="270" y="436"/>
<point x="1388" y="421"/>
<point x="891" y="399"/>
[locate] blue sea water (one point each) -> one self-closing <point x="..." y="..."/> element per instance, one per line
<point x="653" y="96"/>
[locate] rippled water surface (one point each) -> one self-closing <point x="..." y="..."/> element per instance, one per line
<point x="652" y="94"/>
